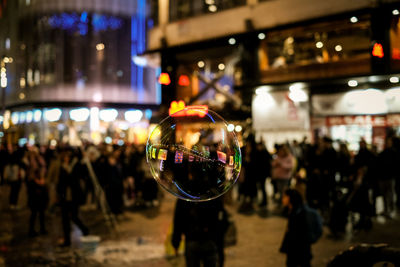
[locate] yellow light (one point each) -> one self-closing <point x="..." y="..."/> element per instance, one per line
<point x="201" y="64"/>
<point x="6" y="60"/>
<point x="100" y="46"/>
<point x="221" y="66"/>
<point x="21" y="96"/>
<point x="338" y="48"/>
<point x="319" y="44"/>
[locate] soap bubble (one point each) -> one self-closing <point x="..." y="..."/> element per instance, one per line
<point x="193" y="155"/>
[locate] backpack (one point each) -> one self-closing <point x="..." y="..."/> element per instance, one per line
<point x="315" y="224"/>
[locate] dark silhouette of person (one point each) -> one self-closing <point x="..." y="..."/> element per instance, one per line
<point x="201" y="224"/>
<point x="70" y="195"/>
<point x="296" y="244"/>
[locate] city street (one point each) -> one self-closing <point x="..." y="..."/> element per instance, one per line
<point x="141" y="236"/>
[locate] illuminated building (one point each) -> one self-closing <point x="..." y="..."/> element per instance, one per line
<point x="291" y="67"/>
<point x="78" y="60"/>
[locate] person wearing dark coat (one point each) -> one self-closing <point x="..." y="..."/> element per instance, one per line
<point x="201" y="224"/>
<point x="296" y="244"/>
<point x="70" y="195"/>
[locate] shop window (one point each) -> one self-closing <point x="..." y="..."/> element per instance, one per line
<point x="180" y="9"/>
<point x="314" y="44"/>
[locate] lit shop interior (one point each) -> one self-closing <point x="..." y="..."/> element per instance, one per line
<point x="72" y="126"/>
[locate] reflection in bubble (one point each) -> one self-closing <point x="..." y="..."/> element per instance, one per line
<point x="193" y="155"/>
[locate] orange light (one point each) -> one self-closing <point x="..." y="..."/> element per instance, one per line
<point x="164" y="79"/>
<point x="183" y="80"/>
<point x="396" y="53"/>
<point x="198" y="110"/>
<point x="377" y="50"/>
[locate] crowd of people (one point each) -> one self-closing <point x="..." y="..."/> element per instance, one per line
<point x="61" y="177"/>
<point x="328" y="177"/>
<point x="332" y="179"/>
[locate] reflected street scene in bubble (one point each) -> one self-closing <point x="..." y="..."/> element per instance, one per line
<point x="193" y="155"/>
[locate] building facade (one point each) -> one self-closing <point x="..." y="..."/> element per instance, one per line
<point x="73" y="64"/>
<point x="298" y="69"/>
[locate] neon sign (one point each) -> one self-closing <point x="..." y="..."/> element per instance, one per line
<point x="198" y="110"/>
<point x="377" y="50"/>
<point x="184" y="80"/>
<point x="164" y="79"/>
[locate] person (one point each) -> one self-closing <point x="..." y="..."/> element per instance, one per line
<point x="14" y="174"/>
<point x="262" y="160"/>
<point x="200" y="223"/>
<point x="70" y="196"/>
<point x="296" y="244"/>
<point x="37" y="190"/>
<point x="282" y="169"/>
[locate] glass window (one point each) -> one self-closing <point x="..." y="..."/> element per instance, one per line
<point x="180" y="9"/>
<point x="319" y="43"/>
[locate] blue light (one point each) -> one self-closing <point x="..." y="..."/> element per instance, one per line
<point x="74" y="22"/>
<point x="83" y="17"/>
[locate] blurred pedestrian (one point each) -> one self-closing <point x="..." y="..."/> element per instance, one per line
<point x="296" y="243"/>
<point x="282" y="170"/>
<point x="200" y="224"/>
<point x="70" y="196"/>
<point x="37" y="190"/>
<point x="14" y="174"/>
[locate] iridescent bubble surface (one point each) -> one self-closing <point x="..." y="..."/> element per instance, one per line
<point x="192" y="154"/>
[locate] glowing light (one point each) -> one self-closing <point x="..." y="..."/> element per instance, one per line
<point x="6" y="121"/>
<point x="394" y="79"/>
<point x="184" y="80"/>
<point x="198" y="110"/>
<point x="108" y="140"/>
<point x="6" y="60"/>
<point x="100" y="47"/>
<point x="377" y="50"/>
<point x="262" y="90"/>
<point x="37" y="115"/>
<point x="396" y="53"/>
<point x="22" y="117"/>
<point x="319" y="44"/>
<point x="108" y="115"/>
<point x="164" y="79"/>
<point x="7" y="43"/>
<point x="232" y="41"/>
<point x="201" y="64"/>
<point x="212" y="8"/>
<point x="261" y="36"/>
<point x="94" y="119"/>
<point x="352" y="83"/>
<point x="3" y="82"/>
<point x="22" y="82"/>
<point x="79" y="114"/>
<point x="238" y="128"/>
<point x="298" y="95"/>
<point x="52" y="114"/>
<point x="231" y="127"/>
<point x="140" y="61"/>
<point x="395" y="12"/>
<point x="353" y="19"/>
<point x="21" y="96"/>
<point x="29" y="116"/>
<point x="221" y="66"/>
<point x="97" y="97"/>
<point x="133" y="115"/>
<point x="15" y="118"/>
<point x="338" y="48"/>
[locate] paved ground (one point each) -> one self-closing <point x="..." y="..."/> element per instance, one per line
<point x="142" y="233"/>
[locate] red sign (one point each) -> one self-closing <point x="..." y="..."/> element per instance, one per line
<point x="377" y="50"/>
<point x="164" y="79"/>
<point x="357" y="120"/>
<point x="184" y="80"/>
<point x="396" y="53"/>
<point x="179" y="109"/>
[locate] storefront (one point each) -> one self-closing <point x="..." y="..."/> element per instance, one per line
<point x="74" y="125"/>
<point x="368" y="114"/>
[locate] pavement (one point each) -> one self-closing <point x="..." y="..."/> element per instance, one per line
<point x="142" y="233"/>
